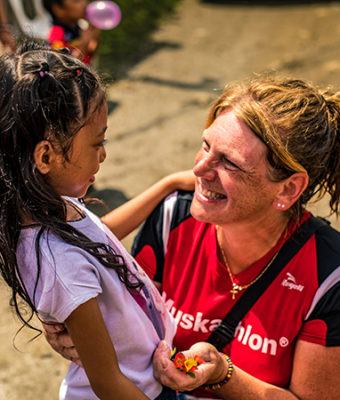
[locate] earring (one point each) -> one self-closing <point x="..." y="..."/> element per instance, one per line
<point x="281" y="205"/>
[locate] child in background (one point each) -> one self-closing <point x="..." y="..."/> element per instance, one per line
<point x="7" y="40"/>
<point x="56" y="255"/>
<point x="66" y="32"/>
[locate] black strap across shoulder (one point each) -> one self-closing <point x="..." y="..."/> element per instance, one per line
<point x="224" y="332"/>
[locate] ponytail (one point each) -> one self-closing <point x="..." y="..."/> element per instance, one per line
<point x="331" y="181"/>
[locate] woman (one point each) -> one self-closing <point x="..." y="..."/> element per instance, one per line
<point x="270" y="146"/>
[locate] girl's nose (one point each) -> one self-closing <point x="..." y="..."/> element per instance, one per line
<point x="102" y="154"/>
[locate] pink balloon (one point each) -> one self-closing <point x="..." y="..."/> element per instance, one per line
<point x="103" y="14"/>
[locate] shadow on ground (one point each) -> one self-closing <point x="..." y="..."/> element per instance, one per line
<point x="111" y="106"/>
<point x="205" y="83"/>
<point x="109" y="200"/>
<point x="113" y="69"/>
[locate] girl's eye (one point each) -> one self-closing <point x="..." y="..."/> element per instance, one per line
<point x="102" y="143"/>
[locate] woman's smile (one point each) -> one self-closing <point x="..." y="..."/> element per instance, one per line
<point x="206" y="194"/>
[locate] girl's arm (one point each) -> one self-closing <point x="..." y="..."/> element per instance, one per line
<point x="124" y="219"/>
<point x="93" y="343"/>
<point x="87" y="42"/>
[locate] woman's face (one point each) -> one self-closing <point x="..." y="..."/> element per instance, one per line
<point x="73" y="177"/>
<point x="232" y="182"/>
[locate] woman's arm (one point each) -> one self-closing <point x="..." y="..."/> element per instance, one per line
<point x="315" y="371"/>
<point x="314" y="377"/>
<point x="93" y="343"/>
<point x="124" y="219"/>
<point x="314" y="374"/>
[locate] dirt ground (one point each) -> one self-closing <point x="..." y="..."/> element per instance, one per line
<point x="158" y="112"/>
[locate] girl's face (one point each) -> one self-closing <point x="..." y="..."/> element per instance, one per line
<point x="71" y="10"/>
<point x="73" y="177"/>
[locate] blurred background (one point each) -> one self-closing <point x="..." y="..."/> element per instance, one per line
<point x="163" y="65"/>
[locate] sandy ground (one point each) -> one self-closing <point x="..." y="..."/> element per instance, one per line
<point x="158" y="113"/>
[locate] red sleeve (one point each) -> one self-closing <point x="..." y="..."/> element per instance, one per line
<point x="149" y="244"/>
<point x="314" y="331"/>
<point x="323" y="324"/>
<point x="147" y="260"/>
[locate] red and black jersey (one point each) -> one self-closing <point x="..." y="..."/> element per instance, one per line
<point x="302" y="303"/>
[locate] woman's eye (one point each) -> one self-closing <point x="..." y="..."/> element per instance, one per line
<point x="230" y="165"/>
<point x="205" y="146"/>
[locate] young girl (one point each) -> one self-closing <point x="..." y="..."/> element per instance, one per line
<point x="66" y="32"/>
<point x="56" y="255"/>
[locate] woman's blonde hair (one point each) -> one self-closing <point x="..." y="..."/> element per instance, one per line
<point x="298" y="124"/>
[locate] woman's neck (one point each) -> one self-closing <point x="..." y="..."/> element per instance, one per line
<point x="244" y="244"/>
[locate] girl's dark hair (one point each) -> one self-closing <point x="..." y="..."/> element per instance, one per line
<point x="300" y="127"/>
<point x="42" y="92"/>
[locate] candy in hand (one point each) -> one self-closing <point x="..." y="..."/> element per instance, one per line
<point x="186" y="366"/>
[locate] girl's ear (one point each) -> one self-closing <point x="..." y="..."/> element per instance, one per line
<point x="43" y="155"/>
<point x="291" y="189"/>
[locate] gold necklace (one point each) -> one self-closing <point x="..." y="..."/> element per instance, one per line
<point x="235" y="287"/>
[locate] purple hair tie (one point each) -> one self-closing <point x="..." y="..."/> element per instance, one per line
<point x="43" y="69"/>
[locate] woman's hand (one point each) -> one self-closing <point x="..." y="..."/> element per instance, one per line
<point x="213" y="370"/>
<point x="60" y="341"/>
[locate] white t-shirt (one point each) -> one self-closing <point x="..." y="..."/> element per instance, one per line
<point x="70" y="276"/>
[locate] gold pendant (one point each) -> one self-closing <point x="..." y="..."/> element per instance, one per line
<point x="236" y="288"/>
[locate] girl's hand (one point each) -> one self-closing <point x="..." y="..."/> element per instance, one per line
<point x="213" y="370"/>
<point x="88" y="42"/>
<point x="92" y="37"/>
